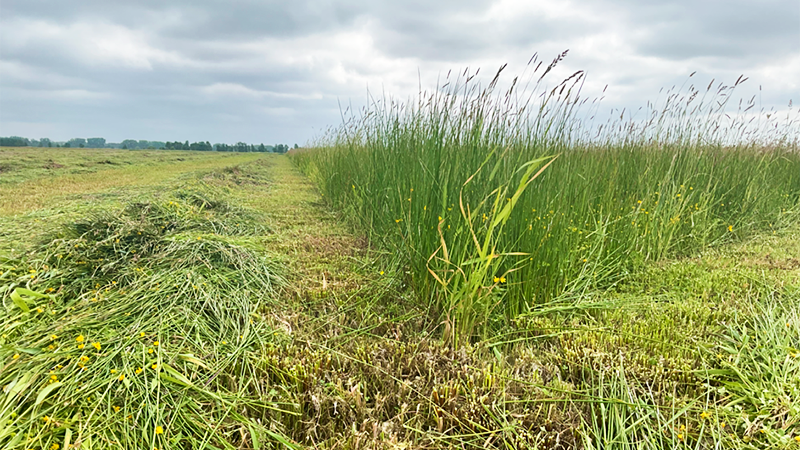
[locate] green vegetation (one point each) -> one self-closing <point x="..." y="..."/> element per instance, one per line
<point x="31" y="179"/>
<point x="528" y="236"/>
<point x="449" y="185"/>
<point x="142" y="322"/>
<point x="179" y="300"/>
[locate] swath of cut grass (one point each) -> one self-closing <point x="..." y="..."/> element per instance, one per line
<point x="142" y="328"/>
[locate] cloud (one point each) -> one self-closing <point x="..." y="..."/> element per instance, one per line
<point x="270" y="71"/>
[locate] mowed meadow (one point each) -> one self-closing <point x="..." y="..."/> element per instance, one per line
<point x="476" y="268"/>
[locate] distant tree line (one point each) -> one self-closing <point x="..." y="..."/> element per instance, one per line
<point x="132" y="144"/>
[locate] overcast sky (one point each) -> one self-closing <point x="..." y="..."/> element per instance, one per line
<point x="275" y="72"/>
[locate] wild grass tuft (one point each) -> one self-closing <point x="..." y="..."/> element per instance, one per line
<point x="618" y="196"/>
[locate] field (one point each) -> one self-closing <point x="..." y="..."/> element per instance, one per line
<point x="467" y="272"/>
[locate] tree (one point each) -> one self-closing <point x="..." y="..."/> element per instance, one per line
<point x="130" y="144"/>
<point x="96" y="142"/>
<point x="13" y="141"/>
<point x="45" y="142"/>
<point x="77" y="143"/>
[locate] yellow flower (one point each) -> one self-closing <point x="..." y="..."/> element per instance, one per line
<point x="502" y="279"/>
<point x="155" y="343"/>
<point x="150" y="350"/>
<point x="154" y="366"/>
<point x="84" y="358"/>
<point x="705" y="415"/>
<point x="159" y="430"/>
<point x="730" y="228"/>
<point x="54" y="447"/>
<point x="116" y="408"/>
<point x="680" y="436"/>
<point x="16" y="356"/>
<point x="79" y="338"/>
<point x="397" y="220"/>
<point x="797" y="438"/>
<point x="138" y="371"/>
<point x="141" y="334"/>
<point x="39" y="310"/>
<point x="96" y="345"/>
<point x="381" y="272"/>
<point x="113" y="370"/>
<point x="496" y="279"/>
<point x="80" y="346"/>
<point x="53" y="337"/>
<point x="121" y="377"/>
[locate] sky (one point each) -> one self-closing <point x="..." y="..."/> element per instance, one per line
<point x="280" y="72"/>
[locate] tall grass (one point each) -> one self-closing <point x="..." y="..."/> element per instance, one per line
<point x="433" y="179"/>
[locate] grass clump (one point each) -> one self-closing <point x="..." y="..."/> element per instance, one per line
<point x="617" y="197"/>
<point x="142" y="328"/>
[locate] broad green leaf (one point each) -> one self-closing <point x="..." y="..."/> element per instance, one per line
<point x="19" y="301"/>
<point x="46" y="391"/>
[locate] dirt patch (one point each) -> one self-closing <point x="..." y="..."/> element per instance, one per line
<point x="53" y="165"/>
<point x="779" y="263"/>
<point x="335" y="245"/>
<point x="246" y="175"/>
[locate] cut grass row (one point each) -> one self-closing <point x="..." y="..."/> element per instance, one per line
<point x="35" y="183"/>
<point x="140" y="328"/>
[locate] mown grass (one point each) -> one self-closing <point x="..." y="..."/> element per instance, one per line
<point x="35" y="178"/>
<point x="140" y="328"/>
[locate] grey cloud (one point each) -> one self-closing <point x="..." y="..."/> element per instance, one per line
<point x="275" y="71"/>
<point x="685" y="29"/>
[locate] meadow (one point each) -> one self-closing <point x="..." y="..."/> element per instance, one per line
<point x="477" y="268"/>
